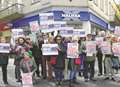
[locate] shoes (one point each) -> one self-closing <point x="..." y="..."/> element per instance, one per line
<point x="112" y="79"/>
<point x="6" y="83"/>
<point x="86" y="80"/>
<point x="18" y="81"/>
<point x="106" y="78"/>
<point x="92" y="79"/>
<point x="99" y="74"/>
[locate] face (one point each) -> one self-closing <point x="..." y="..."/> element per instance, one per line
<point x="21" y="40"/>
<point x="3" y="40"/>
<point x="58" y="39"/>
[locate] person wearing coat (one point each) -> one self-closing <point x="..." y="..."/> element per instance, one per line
<point x="60" y="61"/>
<point x="4" y="62"/>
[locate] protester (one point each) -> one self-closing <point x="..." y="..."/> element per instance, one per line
<point x="72" y="66"/>
<point x="4" y="62"/>
<point x="108" y="61"/>
<point x="60" y="61"/>
<point x="19" y="50"/>
<point x="89" y="63"/>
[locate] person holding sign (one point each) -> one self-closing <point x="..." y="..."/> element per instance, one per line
<point x="89" y="62"/>
<point x="108" y="54"/>
<point x="4" y="62"/>
<point x="60" y="61"/>
<point x="73" y="55"/>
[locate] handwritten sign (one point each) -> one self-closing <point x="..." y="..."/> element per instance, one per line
<point x="49" y="49"/>
<point x="90" y="48"/>
<point x="72" y="50"/>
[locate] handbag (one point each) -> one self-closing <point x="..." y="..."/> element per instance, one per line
<point x="53" y="60"/>
<point x="77" y="61"/>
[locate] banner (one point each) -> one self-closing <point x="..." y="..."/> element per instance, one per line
<point x="79" y="32"/>
<point x="99" y="40"/>
<point x="34" y="26"/>
<point x="72" y="50"/>
<point x="27" y="79"/>
<point x="90" y="48"/>
<point x="4" y="47"/>
<point x="106" y="47"/>
<point x="49" y="49"/>
<point x="116" y="49"/>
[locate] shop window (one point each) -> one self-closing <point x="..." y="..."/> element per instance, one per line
<point x="35" y="1"/>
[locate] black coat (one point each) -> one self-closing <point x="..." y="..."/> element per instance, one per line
<point x="4" y="58"/>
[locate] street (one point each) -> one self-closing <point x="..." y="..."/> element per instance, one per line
<point x="44" y="83"/>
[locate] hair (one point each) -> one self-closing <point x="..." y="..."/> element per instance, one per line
<point x="21" y="38"/>
<point x="57" y="37"/>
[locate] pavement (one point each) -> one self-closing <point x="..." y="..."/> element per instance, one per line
<point x="45" y="83"/>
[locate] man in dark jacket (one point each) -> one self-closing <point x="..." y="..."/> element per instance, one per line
<point x="4" y="62"/>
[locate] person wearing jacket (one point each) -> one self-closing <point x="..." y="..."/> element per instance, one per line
<point x="60" y="61"/>
<point x="89" y="63"/>
<point x="4" y="62"/>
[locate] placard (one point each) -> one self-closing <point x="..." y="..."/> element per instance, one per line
<point x="27" y="79"/>
<point x="34" y="26"/>
<point x="116" y="49"/>
<point x="99" y="40"/>
<point x="72" y="50"/>
<point x="66" y="32"/>
<point x="79" y="32"/>
<point x="106" y="47"/>
<point x="17" y="33"/>
<point x="90" y="48"/>
<point x="4" y="48"/>
<point x="50" y="49"/>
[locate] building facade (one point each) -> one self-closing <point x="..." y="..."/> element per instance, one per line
<point x="91" y="15"/>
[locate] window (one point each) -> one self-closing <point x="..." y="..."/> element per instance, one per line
<point x="35" y="1"/>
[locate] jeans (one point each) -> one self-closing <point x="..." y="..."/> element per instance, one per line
<point x="58" y="74"/>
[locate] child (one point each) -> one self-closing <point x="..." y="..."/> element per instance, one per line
<point x="27" y="64"/>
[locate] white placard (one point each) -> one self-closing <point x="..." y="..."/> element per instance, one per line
<point x="106" y="47"/>
<point x="66" y="32"/>
<point x="27" y="79"/>
<point x="50" y="49"/>
<point x="90" y="48"/>
<point x="99" y="40"/>
<point x="79" y="32"/>
<point x="116" y="49"/>
<point x="72" y="50"/>
<point x="17" y="33"/>
<point x="34" y="26"/>
<point x="4" y="48"/>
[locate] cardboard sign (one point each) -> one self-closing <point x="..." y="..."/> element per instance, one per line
<point x="49" y="49"/>
<point x="4" y="47"/>
<point x="90" y="48"/>
<point x="116" y="49"/>
<point x="72" y="50"/>
<point x="34" y="26"/>
<point x="106" y="47"/>
<point x="27" y="79"/>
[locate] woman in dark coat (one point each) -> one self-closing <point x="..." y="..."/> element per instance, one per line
<point x="4" y="62"/>
<point x="60" y="60"/>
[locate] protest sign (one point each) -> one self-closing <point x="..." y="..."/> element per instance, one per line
<point x="79" y="32"/>
<point x="72" y="50"/>
<point x="4" y="47"/>
<point x="106" y="47"/>
<point x="17" y="33"/>
<point x="116" y="49"/>
<point x="27" y="79"/>
<point x="49" y="49"/>
<point x="34" y="26"/>
<point x="99" y="40"/>
<point x="90" y="48"/>
<point x="66" y="32"/>
<point x="117" y="30"/>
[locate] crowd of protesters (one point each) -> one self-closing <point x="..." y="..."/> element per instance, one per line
<point x="29" y="58"/>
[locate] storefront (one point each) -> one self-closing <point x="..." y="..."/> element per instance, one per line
<point x="74" y="17"/>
